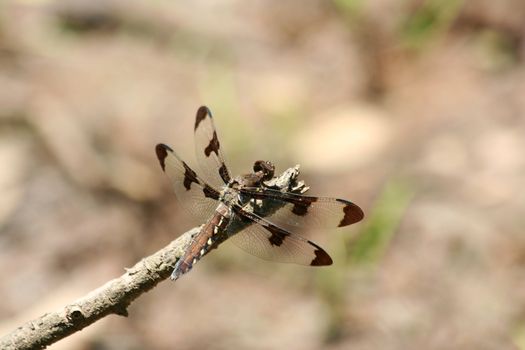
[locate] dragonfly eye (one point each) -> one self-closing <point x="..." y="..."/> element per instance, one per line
<point x="267" y="168"/>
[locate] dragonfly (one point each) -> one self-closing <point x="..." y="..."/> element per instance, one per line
<point x="248" y="210"/>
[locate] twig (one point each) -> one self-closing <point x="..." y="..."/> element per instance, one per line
<point x="116" y="295"/>
<point x="112" y="298"/>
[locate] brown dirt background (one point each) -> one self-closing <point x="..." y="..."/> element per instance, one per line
<point x="413" y="109"/>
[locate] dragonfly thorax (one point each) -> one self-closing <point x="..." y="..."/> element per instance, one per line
<point x="262" y="171"/>
<point x="229" y="196"/>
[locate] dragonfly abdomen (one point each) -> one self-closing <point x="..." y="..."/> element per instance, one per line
<point x="208" y="238"/>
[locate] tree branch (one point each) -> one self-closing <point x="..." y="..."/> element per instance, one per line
<point x="112" y="298"/>
<point x="116" y="295"/>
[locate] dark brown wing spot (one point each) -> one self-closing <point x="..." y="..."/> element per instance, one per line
<point x="277" y="236"/>
<point x="213" y="146"/>
<point x="352" y="213"/>
<point x="300" y="207"/>
<point x="202" y="113"/>
<point x="223" y="172"/>
<point x="210" y="192"/>
<point x="321" y="257"/>
<point x="189" y="176"/>
<point x="162" y="153"/>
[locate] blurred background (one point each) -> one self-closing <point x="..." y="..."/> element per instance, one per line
<point x="413" y="109"/>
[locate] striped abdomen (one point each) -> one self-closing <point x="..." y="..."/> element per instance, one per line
<point x="207" y="239"/>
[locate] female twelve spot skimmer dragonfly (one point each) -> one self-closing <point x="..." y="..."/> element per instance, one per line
<point x="223" y="201"/>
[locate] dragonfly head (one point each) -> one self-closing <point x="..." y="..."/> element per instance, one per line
<point x="266" y="168"/>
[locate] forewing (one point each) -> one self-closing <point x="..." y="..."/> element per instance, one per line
<point x="296" y="210"/>
<point x="195" y="194"/>
<point x="208" y="149"/>
<point x="270" y="242"/>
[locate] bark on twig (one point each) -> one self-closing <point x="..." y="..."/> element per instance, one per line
<point x="112" y="298"/>
<point x="116" y="295"/>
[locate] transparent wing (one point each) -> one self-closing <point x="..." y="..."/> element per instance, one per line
<point x="270" y="242"/>
<point x="195" y="194"/>
<point x="296" y="210"/>
<point x="208" y="149"/>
